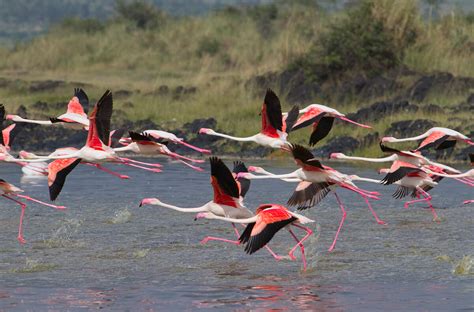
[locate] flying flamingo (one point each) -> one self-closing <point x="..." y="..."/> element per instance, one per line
<point x="75" y="117"/>
<point x="269" y="219"/>
<point x="144" y="144"/>
<point x="96" y="150"/>
<point x="8" y="190"/>
<point x="404" y="162"/>
<point x="437" y="137"/>
<point x="416" y="182"/>
<point x="227" y="201"/>
<point x="275" y="127"/>
<point x="322" y="117"/>
<point x="315" y="182"/>
<point x="170" y="137"/>
<point x="466" y="175"/>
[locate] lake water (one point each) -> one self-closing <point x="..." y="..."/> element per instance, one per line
<point x="106" y="252"/>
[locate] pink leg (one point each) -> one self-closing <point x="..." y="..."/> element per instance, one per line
<point x="428" y="200"/>
<point x="40" y="202"/>
<point x="358" y="191"/>
<point x="468" y="201"/>
<point x="129" y="160"/>
<point x="20" y="237"/>
<point x="277" y="257"/>
<point x="121" y="176"/>
<point x="212" y="238"/>
<point x="340" y="224"/>
<point x="353" y="122"/>
<point x="141" y="167"/>
<point x="299" y="243"/>
<point x="464" y="181"/>
<point x="174" y="155"/>
<point x="373" y="212"/>
<point x="191" y="166"/>
<point x="200" y="150"/>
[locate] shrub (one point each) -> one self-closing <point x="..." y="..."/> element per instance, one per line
<point x="143" y="14"/>
<point x="88" y="25"/>
<point x="209" y="46"/>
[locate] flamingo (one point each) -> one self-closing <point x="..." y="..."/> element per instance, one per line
<point x="322" y="117"/>
<point x="170" y="137"/>
<point x="268" y="220"/>
<point x="8" y="190"/>
<point x="437" y="137"/>
<point x="315" y="182"/>
<point x="227" y="200"/>
<point x="417" y="183"/>
<point x="75" y="117"/>
<point x="404" y="162"/>
<point x="95" y="152"/>
<point x="467" y="174"/>
<point x="144" y="144"/>
<point x="275" y="127"/>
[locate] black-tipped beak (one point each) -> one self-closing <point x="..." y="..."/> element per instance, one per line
<point x="140" y="204"/>
<point x="195" y="219"/>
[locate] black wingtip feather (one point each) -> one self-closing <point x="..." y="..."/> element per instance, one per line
<point x="291" y="118"/>
<point x="260" y="240"/>
<point x="58" y="183"/>
<point x="83" y="98"/>
<point x="321" y="131"/>
<point x="224" y="177"/>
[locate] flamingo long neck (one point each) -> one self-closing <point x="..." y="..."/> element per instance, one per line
<point x="367" y="180"/>
<point x="469" y="173"/>
<point x="442" y="166"/>
<point x="197" y="209"/>
<point x="244" y="139"/>
<point x="76" y="154"/>
<point x="292" y="175"/>
<point x="290" y="180"/>
<point x="124" y="148"/>
<point x="241" y="221"/>
<point x="39" y="122"/>
<point x="419" y="137"/>
<point x="376" y="160"/>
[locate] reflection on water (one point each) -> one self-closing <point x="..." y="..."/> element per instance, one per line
<point x="106" y="252"/>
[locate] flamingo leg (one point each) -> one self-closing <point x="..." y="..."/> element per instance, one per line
<point x="468" y="201"/>
<point x="190" y="166"/>
<point x="178" y="156"/>
<point x="340" y="224"/>
<point x="121" y="176"/>
<point x="212" y="238"/>
<point x="142" y="167"/>
<point x="299" y="243"/>
<point x="426" y="198"/>
<point x="353" y="122"/>
<point x="40" y="202"/>
<point x="200" y="150"/>
<point x="129" y="160"/>
<point x="276" y="256"/>
<point x="465" y="181"/>
<point x="379" y="221"/>
<point x="20" y="237"/>
<point x="358" y="191"/>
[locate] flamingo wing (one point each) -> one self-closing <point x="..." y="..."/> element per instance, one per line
<point x="270" y="219"/>
<point x="226" y="190"/>
<point x="115" y="137"/>
<point x="271" y="115"/>
<point x="313" y="115"/>
<point x="244" y="184"/>
<point x="435" y="139"/>
<point x="402" y="191"/>
<point x="99" y="127"/>
<point x="57" y="173"/>
<point x="305" y="159"/>
<point x="78" y="102"/>
<point x="9" y="134"/>
<point x="2" y="114"/>
<point x="321" y="129"/>
<point x="307" y="194"/>
<point x="290" y="119"/>
<point x="471" y="158"/>
<point x="141" y="138"/>
<point x="398" y="170"/>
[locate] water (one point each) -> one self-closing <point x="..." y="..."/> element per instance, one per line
<point x="106" y="252"/>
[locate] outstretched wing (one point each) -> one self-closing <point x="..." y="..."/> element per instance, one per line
<point x="313" y="115"/>
<point x="57" y="173"/>
<point x="305" y="159"/>
<point x="115" y="136"/>
<point x="9" y="134"/>
<point x="271" y="114"/>
<point x="99" y="128"/>
<point x="307" y="194"/>
<point x="433" y="140"/>
<point x="244" y="184"/>
<point x="321" y="129"/>
<point x="398" y="170"/>
<point x="78" y="103"/>
<point x="290" y="119"/>
<point x="226" y="190"/>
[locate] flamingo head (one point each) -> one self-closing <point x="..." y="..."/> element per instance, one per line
<point x="384" y="170"/>
<point x="353" y="177"/>
<point x="256" y="169"/>
<point x="469" y="142"/>
<point x="26" y="155"/>
<point x="203" y="215"/>
<point x="206" y="131"/>
<point x="149" y="201"/>
<point x="243" y="175"/>
<point x="336" y="155"/>
<point x="388" y="139"/>
<point x="12" y="117"/>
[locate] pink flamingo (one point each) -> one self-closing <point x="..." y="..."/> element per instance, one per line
<point x="315" y="182"/>
<point x="8" y="190"/>
<point x="75" y="117"/>
<point x="170" y="137"/>
<point x="144" y="144"/>
<point x="322" y="117"/>
<point x="275" y="127"/>
<point x="437" y="137"/>
<point x="227" y="200"/>
<point x="268" y="220"/>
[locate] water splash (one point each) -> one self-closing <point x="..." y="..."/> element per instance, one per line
<point x="120" y="217"/>
<point x="62" y="236"/>
<point x="141" y="253"/>
<point x="465" y="266"/>
<point x="33" y="266"/>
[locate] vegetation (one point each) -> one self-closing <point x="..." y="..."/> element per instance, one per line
<point x="141" y="49"/>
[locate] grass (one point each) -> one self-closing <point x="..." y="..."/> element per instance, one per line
<point x="218" y="54"/>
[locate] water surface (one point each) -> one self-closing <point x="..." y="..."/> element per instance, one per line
<point x="106" y="252"/>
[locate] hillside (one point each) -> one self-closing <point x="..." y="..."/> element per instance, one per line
<point x="378" y="60"/>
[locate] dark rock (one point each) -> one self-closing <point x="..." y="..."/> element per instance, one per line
<point x="432" y="109"/>
<point x="370" y="139"/>
<point x="195" y="125"/>
<point x="190" y="90"/>
<point x="341" y="144"/>
<point x="22" y="112"/>
<point x="365" y="88"/>
<point x="439" y="81"/>
<point x="380" y="109"/>
<point x="37" y="86"/>
<point x="408" y="128"/>
<point x="163" y="90"/>
<point x="40" y="105"/>
<point x="470" y="100"/>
